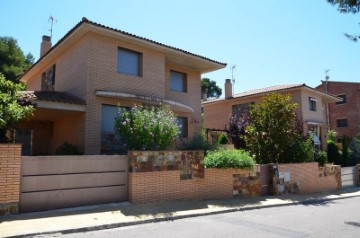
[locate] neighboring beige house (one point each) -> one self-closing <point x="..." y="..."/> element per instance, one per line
<point x="78" y="83"/>
<point x="311" y="109"/>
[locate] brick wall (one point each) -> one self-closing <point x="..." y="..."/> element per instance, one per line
<point x="154" y="82"/>
<point x="307" y="178"/>
<point x="349" y="110"/>
<point x="217" y="184"/>
<point x="10" y="159"/>
<point x="90" y="64"/>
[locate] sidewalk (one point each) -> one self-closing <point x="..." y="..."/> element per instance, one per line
<point x="113" y="215"/>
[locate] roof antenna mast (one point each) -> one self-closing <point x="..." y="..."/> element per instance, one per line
<point x="232" y="77"/>
<point x="327" y="77"/>
<point x="51" y="20"/>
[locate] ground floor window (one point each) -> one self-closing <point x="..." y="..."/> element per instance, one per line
<point x="111" y="143"/>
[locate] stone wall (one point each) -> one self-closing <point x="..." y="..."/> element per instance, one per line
<point x="10" y="160"/>
<point x="306" y="178"/>
<point x="190" y="164"/>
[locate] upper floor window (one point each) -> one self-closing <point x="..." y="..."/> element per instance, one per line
<point x="129" y="62"/>
<point x="48" y="79"/>
<point x="312" y="104"/>
<point x="343" y="97"/>
<point x="242" y="109"/>
<point x="183" y="124"/>
<point x="342" y="122"/>
<point x="178" y="81"/>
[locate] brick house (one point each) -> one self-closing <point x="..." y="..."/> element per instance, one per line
<point x="344" y="116"/>
<point x="311" y="106"/>
<point x="77" y="84"/>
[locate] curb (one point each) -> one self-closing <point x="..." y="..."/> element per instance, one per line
<point x="154" y="220"/>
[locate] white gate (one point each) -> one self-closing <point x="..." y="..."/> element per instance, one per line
<point x="348" y="176"/>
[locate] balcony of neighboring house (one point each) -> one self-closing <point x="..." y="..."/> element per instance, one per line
<point x="58" y="117"/>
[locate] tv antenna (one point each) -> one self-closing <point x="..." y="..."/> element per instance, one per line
<point x="327" y="77"/>
<point x="232" y="77"/>
<point x="51" y="20"/>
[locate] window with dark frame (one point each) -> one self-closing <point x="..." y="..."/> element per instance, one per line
<point x="312" y="104"/>
<point x="183" y="124"/>
<point x="342" y="122"/>
<point x="242" y="109"/>
<point x="111" y="142"/>
<point x="48" y="79"/>
<point x="343" y="97"/>
<point x="129" y="62"/>
<point x="178" y="81"/>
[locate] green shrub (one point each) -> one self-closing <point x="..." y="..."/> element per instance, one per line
<point x="197" y="142"/>
<point x="67" y="149"/>
<point x="222" y="140"/>
<point x="333" y="154"/>
<point x="321" y="158"/>
<point x="331" y="136"/>
<point x="229" y="159"/>
<point x="143" y="128"/>
<point x="355" y="150"/>
<point x="274" y="130"/>
<point x="302" y="151"/>
<point x="345" y="160"/>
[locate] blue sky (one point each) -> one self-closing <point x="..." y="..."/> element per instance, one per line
<point x="270" y="42"/>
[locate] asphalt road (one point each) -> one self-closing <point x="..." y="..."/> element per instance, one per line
<point x="339" y="218"/>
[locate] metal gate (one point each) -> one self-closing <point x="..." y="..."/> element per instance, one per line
<point x="51" y="182"/>
<point x="348" y="176"/>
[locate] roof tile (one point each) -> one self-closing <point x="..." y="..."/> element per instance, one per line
<point x="51" y="96"/>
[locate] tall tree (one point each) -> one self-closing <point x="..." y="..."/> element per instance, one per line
<point x="13" y="62"/>
<point x="209" y="86"/>
<point x="274" y="135"/>
<point x="12" y="108"/>
<point x="347" y="6"/>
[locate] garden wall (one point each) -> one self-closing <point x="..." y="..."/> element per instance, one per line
<point x="180" y="175"/>
<point x="306" y="178"/>
<point x="10" y="159"/>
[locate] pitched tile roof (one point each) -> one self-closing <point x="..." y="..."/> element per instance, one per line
<point x="268" y="89"/>
<point x="86" y="21"/>
<point x="271" y="89"/>
<point x="50" y="96"/>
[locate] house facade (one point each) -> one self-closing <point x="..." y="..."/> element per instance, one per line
<point x="344" y="116"/>
<point x="311" y="110"/>
<point x="78" y="84"/>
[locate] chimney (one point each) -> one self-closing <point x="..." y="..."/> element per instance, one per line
<point x="228" y="89"/>
<point x="45" y="45"/>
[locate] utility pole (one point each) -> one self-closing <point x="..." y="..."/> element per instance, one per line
<point x="327" y="77"/>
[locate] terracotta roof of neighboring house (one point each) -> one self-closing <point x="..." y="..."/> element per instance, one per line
<point x="268" y="90"/>
<point x="272" y="89"/>
<point x="86" y="21"/>
<point x="51" y="96"/>
<point x="330" y="81"/>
